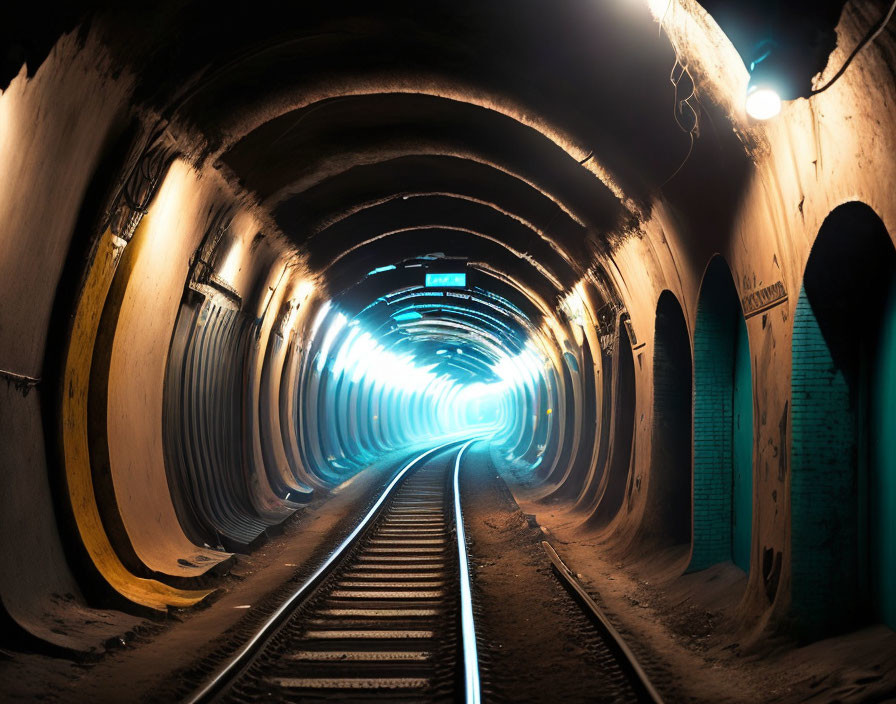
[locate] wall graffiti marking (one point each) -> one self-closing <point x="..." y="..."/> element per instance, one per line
<point x="763" y="299"/>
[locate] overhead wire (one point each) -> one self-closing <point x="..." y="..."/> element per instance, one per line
<point x="680" y="106"/>
<point x="870" y="36"/>
<point x="679" y="71"/>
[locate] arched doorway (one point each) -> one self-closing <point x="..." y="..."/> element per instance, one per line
<point x="669" y="519"/>
<point x="610" y="491"/>
<point x="843" y="453"/>
<point x="723" y="425"/>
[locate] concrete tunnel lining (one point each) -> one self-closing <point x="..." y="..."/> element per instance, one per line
<point x="550" y="173"/>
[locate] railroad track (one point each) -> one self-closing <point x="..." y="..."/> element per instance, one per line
<point x="388" y="615"/>
<point x="642" y="687"/>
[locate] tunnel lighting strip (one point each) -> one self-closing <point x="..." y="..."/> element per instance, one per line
<point x="242" y="658"/>
<point x="468" y="627"/>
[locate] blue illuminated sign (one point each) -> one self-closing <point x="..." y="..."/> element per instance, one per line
<point x="445" y="280"/>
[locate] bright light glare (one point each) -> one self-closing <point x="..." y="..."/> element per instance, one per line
<point x="574" y="308"/>
<point x="762" y="103"/>
<point x="659" y="8"/>
<point x="340" y="362"/>
<point x="440" y="401"/>
<point x="231" y="266"/>
<point x="363" y="357"/>
<point x="522" y="369"/>
<point x="338" y="323"/>
<point x="303" y="291"/>
<point x="319" y="319"/>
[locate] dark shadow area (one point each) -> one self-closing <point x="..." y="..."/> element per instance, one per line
<point x="612" y="486"/>
<point x="668" y="520"/>
<point x="842" y="454"/>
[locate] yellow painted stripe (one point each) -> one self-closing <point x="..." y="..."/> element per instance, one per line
<point x="146" y="592"/>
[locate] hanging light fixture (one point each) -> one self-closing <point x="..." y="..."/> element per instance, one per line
<point x="763" y="100"/>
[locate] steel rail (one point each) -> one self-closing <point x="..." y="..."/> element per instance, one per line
<point x="243" y="657"/>
<point x="641" y="683"/>
<point x="468" y="627"/>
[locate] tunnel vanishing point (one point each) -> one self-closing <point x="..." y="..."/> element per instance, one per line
<point x="258" y="258"/>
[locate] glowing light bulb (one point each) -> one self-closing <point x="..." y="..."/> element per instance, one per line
<point x="762" y="103"/>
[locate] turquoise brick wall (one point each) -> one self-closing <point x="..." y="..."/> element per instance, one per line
<point x="843" y="440"/>
<point x="723" y="426"/>
<point x="823" y="483"/>
<point x="742" y="489"/>
<point x="883" y="480"/>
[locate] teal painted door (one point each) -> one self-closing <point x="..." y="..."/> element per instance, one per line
<point x="882" y="492"/>
<point x="742" y="460"/>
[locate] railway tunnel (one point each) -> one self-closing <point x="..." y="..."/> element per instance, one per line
<point x="603" y="292"/>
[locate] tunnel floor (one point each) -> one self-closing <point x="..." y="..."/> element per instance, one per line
<point x="631" y="263"/>
<point x="535" y="642"/>
<point x="540" y="646"/>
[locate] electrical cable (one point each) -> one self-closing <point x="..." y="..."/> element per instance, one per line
<point x="693" y="131"/>
<point x="663" y="18"/>
<point x="872" y="34"/>
<point x="684" y="161"/>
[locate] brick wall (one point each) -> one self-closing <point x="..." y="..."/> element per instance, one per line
<point x="882" y="486"/>
<point x="713" y="436"/>
<point x="823" y="483"/>
<point x="719" y="337"/>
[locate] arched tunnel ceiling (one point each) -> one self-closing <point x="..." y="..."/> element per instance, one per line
<point x="280" y="161"/>
<point x="361" y="122"/>
<point x="377" y="138"/>
<point x="385" y="247"/>
<point x="464" y="332"/>
<point x="558" y="68"/>
<point x="369" y="185"/>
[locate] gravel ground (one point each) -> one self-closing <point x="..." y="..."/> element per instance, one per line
<point x="536" y="645"/>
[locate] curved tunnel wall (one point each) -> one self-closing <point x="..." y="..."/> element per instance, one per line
<point x="203" y="421"/>
<point x="609" y="493"/>
<point x="206" y="409"/>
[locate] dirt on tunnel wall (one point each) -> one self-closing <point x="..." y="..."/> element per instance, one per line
<point x="54" y="130"/>
<point x="800" y="167"/>
<point x="753" y="194"/>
